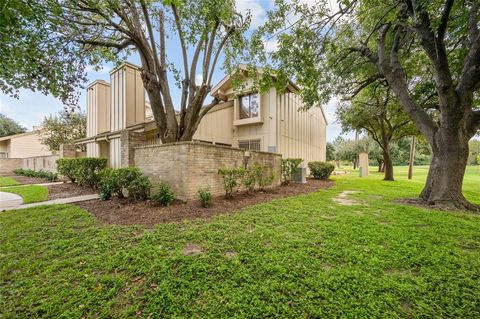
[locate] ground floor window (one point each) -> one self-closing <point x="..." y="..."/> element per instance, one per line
<point x="250" y="145"/>
<point x="3" y="155"/>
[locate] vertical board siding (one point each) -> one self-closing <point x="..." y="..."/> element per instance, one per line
<point x="300" y="133"/>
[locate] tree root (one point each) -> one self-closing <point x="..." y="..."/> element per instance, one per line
<point x="444" y="205"/>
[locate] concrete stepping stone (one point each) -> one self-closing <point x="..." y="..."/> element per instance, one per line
<point x="9" y="201"/>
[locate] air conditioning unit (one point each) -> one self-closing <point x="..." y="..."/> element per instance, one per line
<point x="300" y="176"/>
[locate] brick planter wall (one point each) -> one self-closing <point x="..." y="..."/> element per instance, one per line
<point x="187" y="166"/>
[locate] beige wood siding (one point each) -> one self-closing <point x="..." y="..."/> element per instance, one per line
<point x="216" y="125"/>
<point x="93" y="149"/>
<point x="127" y="97"/>
<point x="115" y="153"/>
<point x="301" y="134"/>
<point x="98" y="108"/>
<point x="27" y="145"/>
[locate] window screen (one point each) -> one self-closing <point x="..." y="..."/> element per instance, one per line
<point x="250" y="145"/>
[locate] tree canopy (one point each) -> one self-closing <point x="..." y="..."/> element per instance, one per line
<point x="9" y="126"/>
<point x="427" y="52"/>
<point x="49" y="43"/>
<point x="63" y="128"/>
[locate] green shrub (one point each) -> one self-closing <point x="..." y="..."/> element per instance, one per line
<point x="18" y="171"/>
<point x="47" y="175"/>
<point x="478" y="159"/>
<point x="205" y="197"/>
<point x="249" y="180"/>
<point x="114" y="181"/>
<point x="87" y="171"/>
<point x="163" y="194"/>
<point x="321" y="170"/>
<point x="288" y="167"/>
<point x="67" y="167"/>
<point x="232" y="179"/>
<point x="264" y="175"/>
<point x="139" y="188"/>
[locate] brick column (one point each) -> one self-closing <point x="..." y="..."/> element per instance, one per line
<point x="68" y="150"/>
<point x="128" y="141"/>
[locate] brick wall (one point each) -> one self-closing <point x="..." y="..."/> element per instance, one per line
<point x="46" y="163"/>
<point x="187" y="166"/>
<point x="7" y="165"/>
<point x="129" y="140"/>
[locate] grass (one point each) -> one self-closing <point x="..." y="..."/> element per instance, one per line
<point x="300" y="257"/>
<point x="7" y="181"/>
<point x="29" y="193"/>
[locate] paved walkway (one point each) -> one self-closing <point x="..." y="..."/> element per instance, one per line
<point x="40" y="184"/>
<point x="68" y="200"/>
<point x="9" y="201"/>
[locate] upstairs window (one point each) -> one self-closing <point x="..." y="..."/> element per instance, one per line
<point x="249" y="106"/>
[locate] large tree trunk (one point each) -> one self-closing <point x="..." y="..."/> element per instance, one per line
<point x="445" y="177"/>
<point x="380" y="165"/>
<point x="388" y="166"/>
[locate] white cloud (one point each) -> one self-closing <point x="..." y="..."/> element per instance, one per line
<point x="256" y="10"/>
<point x="6" y="109"/>
<point x="198" y="78"/>
<point x="104" y="69"/>
<point x="271" y="45"/>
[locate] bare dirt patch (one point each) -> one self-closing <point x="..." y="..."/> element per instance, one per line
<point x="192" y="250"/>
<point x="343" y="199"/>
<point x="66" y="190"/>
<point x="123" y="212"/>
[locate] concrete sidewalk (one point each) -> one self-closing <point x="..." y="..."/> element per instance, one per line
<point x="9" y="201"/>
<point x="40" y="184"/>
<point x="68" y="200"/>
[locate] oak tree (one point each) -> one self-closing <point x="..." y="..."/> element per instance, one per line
<point x="428" y="52"/>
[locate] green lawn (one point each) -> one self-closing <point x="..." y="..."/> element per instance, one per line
<point x="7" y="181"/>
<point x="300" y="257"/>
<point x="29" y="193"/>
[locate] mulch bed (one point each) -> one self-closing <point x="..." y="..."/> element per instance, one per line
<point x="67" y="190"/>
<point x="28" y="180"/>
<point x="147" y="213"/>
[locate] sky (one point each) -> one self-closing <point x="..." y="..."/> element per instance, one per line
<point x="31" y="107"/>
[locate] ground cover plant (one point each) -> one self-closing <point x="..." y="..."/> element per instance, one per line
<point x="46" y="175"/>
<point x="307" y="256"/>
<point x="29" y="193"/>
<point x="7" y="181"/>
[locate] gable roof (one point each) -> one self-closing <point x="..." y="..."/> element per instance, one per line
<point x="226" y="81"/>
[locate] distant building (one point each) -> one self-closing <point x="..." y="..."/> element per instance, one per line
<point x="23" y="145"/>
<point x="269" y="122"/>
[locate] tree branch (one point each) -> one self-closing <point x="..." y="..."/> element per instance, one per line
<point x="442" y="28"/>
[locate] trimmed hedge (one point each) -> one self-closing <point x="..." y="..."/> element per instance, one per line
<point x="49" y="176"/>
<point x="66" y="167"/>
<point x="321" y="170"/>
<point x="85" y="171"/>
<point x="115" y="181"/>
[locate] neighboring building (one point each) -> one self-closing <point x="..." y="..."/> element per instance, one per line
<point x="269" y="122"/>
<point x="23" y="145"/>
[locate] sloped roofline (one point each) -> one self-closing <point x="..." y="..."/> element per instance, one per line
<point x="292" y="86"/>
